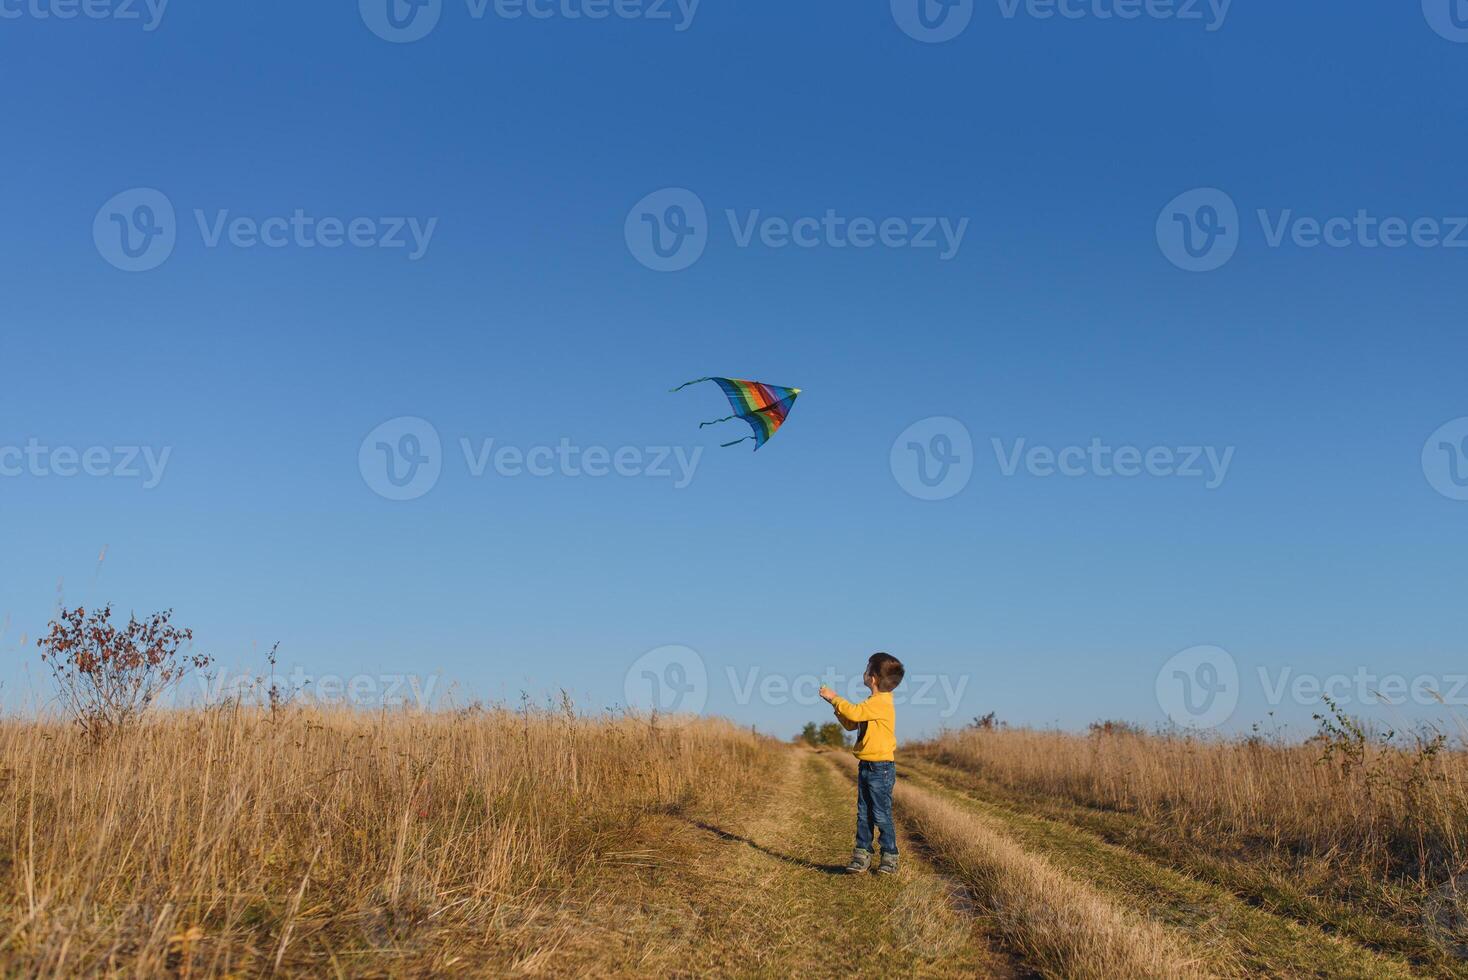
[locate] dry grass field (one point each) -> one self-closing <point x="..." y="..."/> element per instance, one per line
<point x="227" y="843"/>
<point x="1359" y="836"/>
<point x="237" y="842"/>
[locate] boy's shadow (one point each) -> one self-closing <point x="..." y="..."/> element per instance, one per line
<point x="721" y="834"/>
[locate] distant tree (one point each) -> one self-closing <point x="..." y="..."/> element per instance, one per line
<point x="1111" y="726"/>
<point x="833" y="735"/>
<point x="829" y="735"/>
<point x="987" y="723"/>
<point x="108" y="676"/>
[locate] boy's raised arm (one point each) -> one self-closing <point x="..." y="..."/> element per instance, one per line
<point x="845" y="710"/>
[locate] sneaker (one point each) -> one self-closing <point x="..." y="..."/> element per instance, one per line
<point x="860" y="861"/>
<point x="888" y="865"/>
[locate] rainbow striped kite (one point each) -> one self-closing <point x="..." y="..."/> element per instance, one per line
<point x="764" y="407"/>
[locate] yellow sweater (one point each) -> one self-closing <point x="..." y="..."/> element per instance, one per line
<point x="875" y="722"/>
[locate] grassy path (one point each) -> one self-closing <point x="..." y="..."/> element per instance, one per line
<point x="1062" y="926"/>
<point x="1239" y="934"/>
<point x="772" y="899"/>
<point x="988" y="888"/>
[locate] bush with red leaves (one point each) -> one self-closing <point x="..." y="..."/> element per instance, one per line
<point x="107" y="676"/>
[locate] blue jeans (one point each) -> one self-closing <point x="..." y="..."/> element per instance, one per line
<point x="874" y="782"/>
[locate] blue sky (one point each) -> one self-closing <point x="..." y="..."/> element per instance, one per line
<point x="527" y="144"/>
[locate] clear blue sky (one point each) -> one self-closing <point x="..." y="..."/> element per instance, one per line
<point x="529" y="320"/>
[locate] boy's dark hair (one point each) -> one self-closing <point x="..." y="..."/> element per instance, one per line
<point x="887" y="670"/>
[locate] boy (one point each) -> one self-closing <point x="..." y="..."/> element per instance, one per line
<point x="875" y="722"/>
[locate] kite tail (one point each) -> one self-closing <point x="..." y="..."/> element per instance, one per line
<point x="687" y="383"/>
<point x="726" y="418"/>
<point x="725" y="445"/>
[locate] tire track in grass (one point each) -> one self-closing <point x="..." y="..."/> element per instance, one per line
<point x="1060" y="925"/>
<point x="1262" y="942"/>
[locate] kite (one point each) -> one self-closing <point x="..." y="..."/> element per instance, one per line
<point x="764" y="407"/>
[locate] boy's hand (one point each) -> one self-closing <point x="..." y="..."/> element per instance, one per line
<point x="826" y="693"/>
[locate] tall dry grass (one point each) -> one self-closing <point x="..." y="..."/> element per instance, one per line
<point x="1371" y="808"/>
<point x="224" y="842"/>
